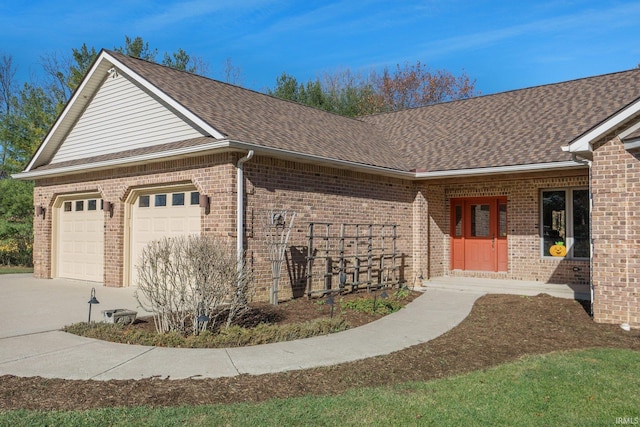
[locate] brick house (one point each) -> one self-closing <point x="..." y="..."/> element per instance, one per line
<point x="482" y="187"/>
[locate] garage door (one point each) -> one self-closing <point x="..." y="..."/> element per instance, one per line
<point x="81" y="240"/>
<point x="158" y="215"/>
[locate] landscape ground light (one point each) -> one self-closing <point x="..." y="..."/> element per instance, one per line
<point x="92" y="301"/>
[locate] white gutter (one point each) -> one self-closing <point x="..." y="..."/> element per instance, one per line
<point x="320" y="160"/>
<point x="591" y="290"/>
<point x="240" y="212"/>
<point x="126" y="161"/>
<point x="498" y="170"/>
<point x="278" y="152"/>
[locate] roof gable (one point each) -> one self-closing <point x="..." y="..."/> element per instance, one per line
<point x="105" y="65"/>
<point x="120" y="117"/>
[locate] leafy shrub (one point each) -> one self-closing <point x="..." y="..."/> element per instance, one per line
<point x="16" y="222"/>
<point x="382" y="306"/>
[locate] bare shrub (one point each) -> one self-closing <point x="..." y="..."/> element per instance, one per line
<point x="188" y="282"/>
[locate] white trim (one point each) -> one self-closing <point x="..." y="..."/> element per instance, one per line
<point x="277" y="152"/>
<point x="165" y="98"/>
<point x="629" y="131"/>
<point x="632" y="145"/>
<point x="319" y="160"/>
<point x="65" y="111"/>
<point x="127" y="161"/>
<point x="532" y="167"/>
<point x="569" y="238"/>
<point x="583" y="143"/>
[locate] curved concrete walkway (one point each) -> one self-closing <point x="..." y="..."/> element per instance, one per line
<point x="33" y="311"/>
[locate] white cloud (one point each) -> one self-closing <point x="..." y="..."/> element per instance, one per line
<point x="178" y="12"/>
<point x="589" y="22"/>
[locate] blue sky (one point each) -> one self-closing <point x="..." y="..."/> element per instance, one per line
<point x="504" y="45"/>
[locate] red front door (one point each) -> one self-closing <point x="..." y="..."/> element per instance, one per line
<point x="479" y="234"/>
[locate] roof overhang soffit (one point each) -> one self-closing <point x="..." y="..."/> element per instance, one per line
<point x="617" y="124"/>
<point x="231" y="145"/>
<point x="631" y="138"/>
<point x="102" y="67"/>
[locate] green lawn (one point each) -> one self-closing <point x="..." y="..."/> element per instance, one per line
<point x="15" y="270"/>
<point x="584" y="388"/>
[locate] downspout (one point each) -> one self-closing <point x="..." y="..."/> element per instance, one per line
<point x="588" y="162"/>
<point x="240" y="211"/>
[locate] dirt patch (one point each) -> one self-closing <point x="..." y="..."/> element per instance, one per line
<point x="500" y="328"/>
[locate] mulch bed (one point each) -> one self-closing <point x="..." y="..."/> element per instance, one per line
<point x="304" y="310"/>
<point x="500" y="328"/>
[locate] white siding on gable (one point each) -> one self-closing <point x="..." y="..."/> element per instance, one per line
<point x="122" y="117"/>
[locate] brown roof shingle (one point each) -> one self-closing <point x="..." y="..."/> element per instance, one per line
<point x="253" y="117"/>
<point x="519" y="127"/>
<point x="512" y="128"/>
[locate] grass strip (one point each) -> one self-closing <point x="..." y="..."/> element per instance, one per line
<point x="588" y="387"/>
<point x="15" y="270"/>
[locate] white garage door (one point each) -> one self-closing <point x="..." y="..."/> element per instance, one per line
<point x="158" y="215"/>
<point x="81" y="240"/>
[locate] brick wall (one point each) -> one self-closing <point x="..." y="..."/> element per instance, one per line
<point x="212" y="175"/>
<point x="316" y="193"/>
<point x="322" y="195"/>
<point x="523" y="221"/>
<point x="616" y="234"/>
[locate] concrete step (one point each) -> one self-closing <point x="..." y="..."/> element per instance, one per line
<point x="502" y="286"/>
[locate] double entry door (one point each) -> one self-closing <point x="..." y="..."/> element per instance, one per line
<point x="479" y="234"/>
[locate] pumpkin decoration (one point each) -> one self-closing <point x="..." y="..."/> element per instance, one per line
<point x="559" y="249"/>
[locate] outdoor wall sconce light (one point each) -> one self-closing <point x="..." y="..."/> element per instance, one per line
<point x="41" y="211"/>
<point x="92" y="301"/>
<point x="108" y="207"/>
<point x="204" y="201"/>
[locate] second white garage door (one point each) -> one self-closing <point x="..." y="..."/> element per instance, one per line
<point x="158" y="215"/>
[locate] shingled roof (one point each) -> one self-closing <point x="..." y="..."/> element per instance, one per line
<point x="253" y="117"/>
<point x="520" y="127"/>
<point x="512" y="128"/>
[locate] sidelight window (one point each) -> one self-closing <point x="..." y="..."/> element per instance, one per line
<point x="565" y="221"/>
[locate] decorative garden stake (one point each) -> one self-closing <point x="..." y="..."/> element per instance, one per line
<point x="277" y="225"/>
<point x="331" y="304"/>
<point x="92" y="301"/>
<point x="383" y="295"/>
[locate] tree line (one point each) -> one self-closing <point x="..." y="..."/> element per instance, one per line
<point x="354" y="94"/>
<point x="29" y="109"/>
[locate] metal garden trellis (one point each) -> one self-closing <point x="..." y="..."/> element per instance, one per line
<point x="277" y="226"/>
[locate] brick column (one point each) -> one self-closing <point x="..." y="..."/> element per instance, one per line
<point x="616" y="234"/>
